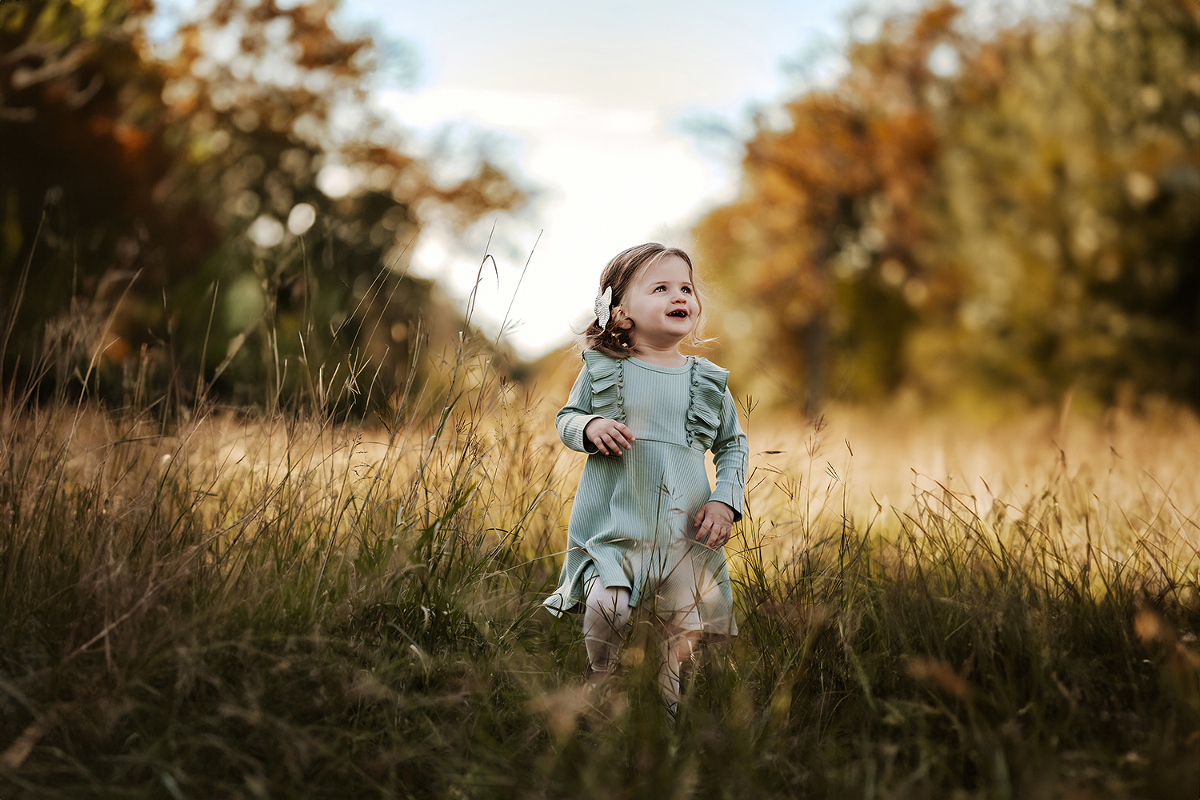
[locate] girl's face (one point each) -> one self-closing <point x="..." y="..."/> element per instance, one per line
<point x="662" y="303"/>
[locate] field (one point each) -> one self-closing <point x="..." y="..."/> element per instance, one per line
<point x="271" y="604"/>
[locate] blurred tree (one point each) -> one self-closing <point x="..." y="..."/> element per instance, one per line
<point x="969" y="214"/>
<point x="241" y="178"/>
<point x="1069" y="189"/>
<point x="82" y="129"/>
<point x="821" y="246"/>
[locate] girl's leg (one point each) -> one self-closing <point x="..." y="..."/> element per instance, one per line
<point x="604" y="617"/>
<point x="677" y="648"/>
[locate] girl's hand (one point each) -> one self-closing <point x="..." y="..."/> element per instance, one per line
<point x="609" y="436"/>
<point x="714" y="523"/>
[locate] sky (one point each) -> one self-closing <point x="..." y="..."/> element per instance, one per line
<point x="589" y="105"/>
<point x="593" y="108"/>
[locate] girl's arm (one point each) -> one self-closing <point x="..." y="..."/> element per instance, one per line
<point x="731" y="455"/>
<point x="576" y="414"/>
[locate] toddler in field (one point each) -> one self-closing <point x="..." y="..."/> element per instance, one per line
<point x="647" y="529"/>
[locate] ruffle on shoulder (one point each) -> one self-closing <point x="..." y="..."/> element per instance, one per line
<point x="608" y="384"/>
<point x="704" y="410"/>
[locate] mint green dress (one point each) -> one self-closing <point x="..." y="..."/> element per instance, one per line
<point x="632" y="520"/>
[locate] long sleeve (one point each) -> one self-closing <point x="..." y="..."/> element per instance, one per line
<point x="731" y="456"/>
<point x="576" y="414"/>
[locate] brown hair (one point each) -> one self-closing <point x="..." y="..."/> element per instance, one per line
<point x="614" y="338"/>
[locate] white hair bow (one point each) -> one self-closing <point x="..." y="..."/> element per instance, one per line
<point x="604" y="306"/>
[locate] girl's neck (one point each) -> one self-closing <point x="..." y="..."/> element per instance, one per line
<point x="659" y="356"/>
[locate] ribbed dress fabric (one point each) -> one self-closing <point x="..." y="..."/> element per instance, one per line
<point x="632" y="519"/>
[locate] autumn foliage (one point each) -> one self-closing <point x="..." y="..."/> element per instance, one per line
<point x="223" y="213"/>
<point x="969" y="216"/>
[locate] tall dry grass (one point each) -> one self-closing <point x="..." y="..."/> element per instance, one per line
<point x="293" y="604"/>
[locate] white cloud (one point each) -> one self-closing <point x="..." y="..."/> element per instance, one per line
<point x="587" y="91"/>
<point x="512" y="110"/>
<point x="613" y="178"/>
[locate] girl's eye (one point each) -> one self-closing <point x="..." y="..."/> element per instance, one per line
<point x="687" y="289"/>
<point x="660" y="288"/>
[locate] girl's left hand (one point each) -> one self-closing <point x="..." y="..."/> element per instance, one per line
<point x="714" y="523"/>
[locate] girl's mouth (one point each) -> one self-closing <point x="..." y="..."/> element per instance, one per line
<point x="679" y="312"/>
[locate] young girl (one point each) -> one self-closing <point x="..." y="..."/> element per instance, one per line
<point x="647" y="529"/>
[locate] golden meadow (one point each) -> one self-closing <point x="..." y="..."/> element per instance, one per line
<point x="299" y="604"/>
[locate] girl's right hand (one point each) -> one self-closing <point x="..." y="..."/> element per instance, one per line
<point x="609" y="436"/>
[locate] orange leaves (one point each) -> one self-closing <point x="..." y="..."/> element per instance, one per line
<point x="829" y="199"/>
<point x="319" y="46"/>
<point x="835" y="149"/>
<point x="940" y="675"/>
<point x="826" y="148"/>
<point x="100" y="125"/>
<point x="990" y="63"/>
<point x="1180" y="661"/>
<point x="935" y="21"/>
<point x="163" y="155"/>
<point x="837" y="153"/>
<point x="131" y="138"/>
<point x="1016" y="188"/>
